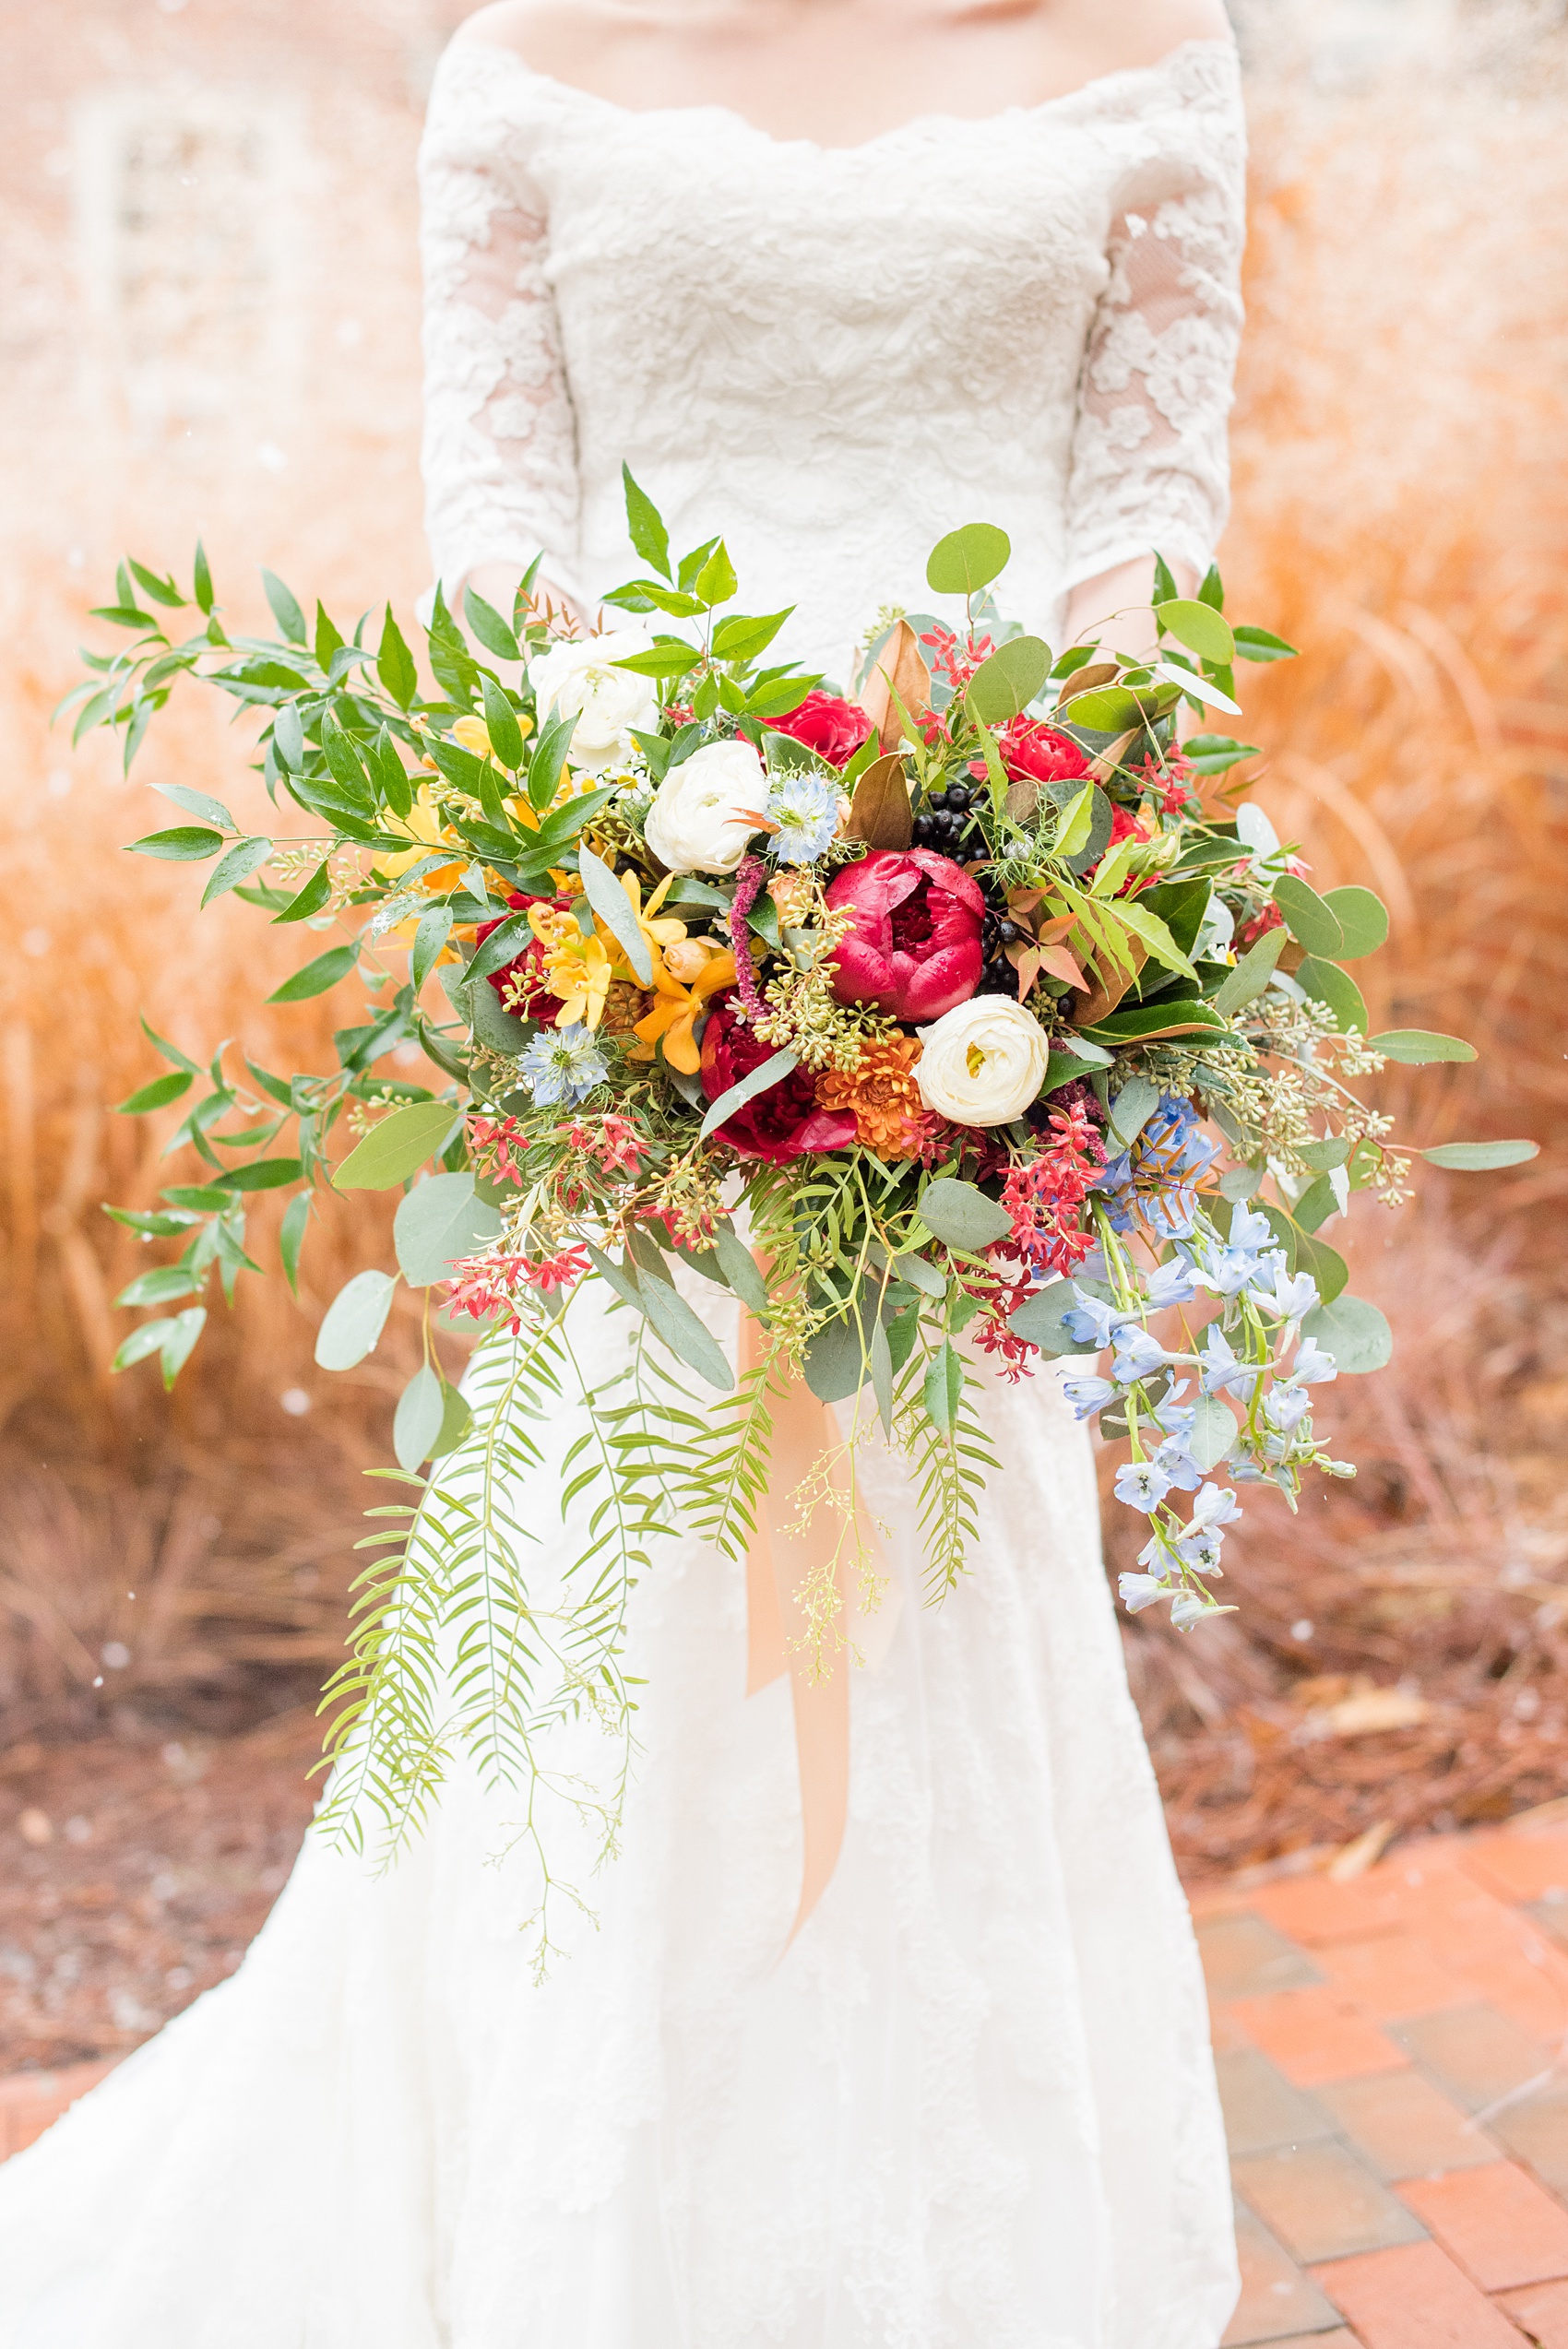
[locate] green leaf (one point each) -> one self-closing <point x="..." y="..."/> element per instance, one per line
<point x="1214" y="754"/>
<point x="292" y="1237"/>
<point x="395" y="663"/>
<point x="772" y="1071"/>
<point x="440" y="1220"/>
<point x="1077" y="819"/>
<point x="435" y="928"/>
<point x="398" y="1146"/>
<point x="1363" y="919"/>
<point x="142" y="1342"/>
<point x="1330" y="1271"/>
<point x="943" y="1388"/>
<point x="1165" y="588"/>
<point x="1212" y="591"/>
<point x="837" y="1360"/>
<point x="613" y="907"/>
<point x="162" y="591"/>
<point x="740" y="1268"/>
<point x="1479" y="1158"/>
<point x="1110" y="709"/>
<point x="238" y="865"/>
<point x="743" y="639"/>
<point x="156" y="1096"/>
<point x="1252" y="974"/>
<point x="501" y="725"/>
<point x="288" y="737"/>
<point x="1005" y="684"/>
<point x="159" y="1286"/>
<point x="180" y="1342"/>
<point x="187" y="844"/>
<point x="962" y="1217"/>
<point x="1418" y="1046"/>
<point x="882" y="1376"/>
<point x="1214" y="1432"/>
<point x="1307" y="916"/>
<point x="1187" y="1016"/>
<point x="1324" y="1156"/>
<point x="645" y="526"/>
<point x="1042" y="1319"/>
<point x="549" y="758"/>
<point x="1256" y="643"/>
<point x="197" y="803"/>
<point x="492" y="631"/>
<point x="311" y="898"/>
<point x="716" y="581"/>
<point x="682" y="1331"/>
<point x="416" y="1424"/>
<point x="1353" y="1331"/>
<point x="1198" y="626"/>
<point x="328" y="636"/>
<point x="202" y="590"/>
<point x="1327" y="984"/>
<point x="285" y="611"/>
<point x="1130" y="1110"/>
<point x="1156" y="934"/>
<point x="967" y="559"/>
<point x="354" y="1320"/>
<point x="456" y="1420"/>
<point x="316" y="976"/>
<point x="262" y="1174"/>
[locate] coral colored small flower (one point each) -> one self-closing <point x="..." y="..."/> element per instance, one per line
<point x="915" y="949"/>
<point x="880" y="1091"/>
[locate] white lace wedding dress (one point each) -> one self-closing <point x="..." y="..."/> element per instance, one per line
<point x="972" y="2107"/>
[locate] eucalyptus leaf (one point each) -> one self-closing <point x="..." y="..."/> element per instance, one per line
<point x="961" y="1216"/>
<point x="1479" y="1158"/>
<point x="1042" y="1319"/>
<point x="241" y="860"/>
<point x="1363" y="919"/>
<point x="1252" y="974"/>
<point x="967" y="559"/>
<point x="1132" y="1108"/>
<point x="416" y="1424"/>
<point x="435" y="928"/>
<point x="1353" y="1331"/>
<point x="399" y="1147"/>
<point x="1307" y="916"/>
<point x="943" y="1388"/>
<point x="1005" y="684"/>
<point x="882" y="1376"/>
<point x="354" y="1320"/>
<point x="1327" y="984"/>
<point x="316" y="976"/>
<point x="1214" y="1432"/>
<point x="440" y="1221"/>
<point x="741" y="1269"/>
<point x="1416" y="1047"/>
<point x="1198" y="626"/>
<point x="197" y="803"/>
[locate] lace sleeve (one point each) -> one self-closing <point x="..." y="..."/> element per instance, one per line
<point x="1151" y="469"/>
<point x="500" y="439"/>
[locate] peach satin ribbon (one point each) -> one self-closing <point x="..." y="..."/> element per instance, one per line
<point x="778" y="1562"/>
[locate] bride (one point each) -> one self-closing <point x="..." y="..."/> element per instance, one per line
<point x="834" y="277"/>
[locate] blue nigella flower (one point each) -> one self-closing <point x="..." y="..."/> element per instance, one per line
<point x="805" y="809"/>
<point x="563" y="1065"/>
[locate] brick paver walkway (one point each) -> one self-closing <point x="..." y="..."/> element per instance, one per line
<point x="1389" y="2052"/>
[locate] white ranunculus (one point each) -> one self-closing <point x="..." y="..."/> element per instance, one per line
<point x="708" y="808"/>
<point x="579" y="680"/>
<point x="983" y="1062"/>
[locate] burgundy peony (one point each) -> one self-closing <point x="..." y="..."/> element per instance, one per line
<point x="833" y="728"/>
<point x="1029" y="747"/>
<point x="520" y="983"/>
<point x="915" y="949"/>
<point x="782" y="1124"/>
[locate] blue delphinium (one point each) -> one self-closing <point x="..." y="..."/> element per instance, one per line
<point x="562" y="1066"/>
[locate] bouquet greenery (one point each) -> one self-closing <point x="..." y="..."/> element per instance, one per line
<point x="966" y="1016"/>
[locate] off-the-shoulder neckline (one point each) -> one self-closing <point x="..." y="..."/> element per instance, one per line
<point x="1101" y="83"/>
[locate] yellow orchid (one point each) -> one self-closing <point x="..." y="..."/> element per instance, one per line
<point x="424" y="828"/>
<point x="675" y="1015"/>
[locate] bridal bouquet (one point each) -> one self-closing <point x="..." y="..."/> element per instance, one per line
<point x="964" y="1015"/>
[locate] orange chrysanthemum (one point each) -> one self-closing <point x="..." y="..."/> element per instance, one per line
<point x="890" y="1117"/>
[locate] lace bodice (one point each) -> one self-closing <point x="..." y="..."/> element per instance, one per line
<point x="831" y="355"/>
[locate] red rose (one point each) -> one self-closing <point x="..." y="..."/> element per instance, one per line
<point x="1026" y="746"/>
<point x="915" y="949"/>
<point x="833" y="728"/>
<point x="782" y="1124"/>
<point x="520" y="983"/>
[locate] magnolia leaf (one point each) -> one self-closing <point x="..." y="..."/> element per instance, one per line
<point x="880" y="812"/>
<point x="1307" y="916"/>
<point x="1145" y="1022"/>
<point x="1198" y="626"/>
<point x="762" y="1079"/>
<point x="441" y="1221"/>
<point x="1363" y="919"/>
<point x="613" y="907"/>
<point x="1418" y="1046"/>
<point x="899" y="683"/>
<point x="399" y="1147"/>
<point x="967" y="559"/>
<point x="1479" y="1158"/>
<point x="354" y="1320"/>
<point x="1353" y="1331"/>
<point x="962" y="1217"/>
<point x="416" y="1425"/>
